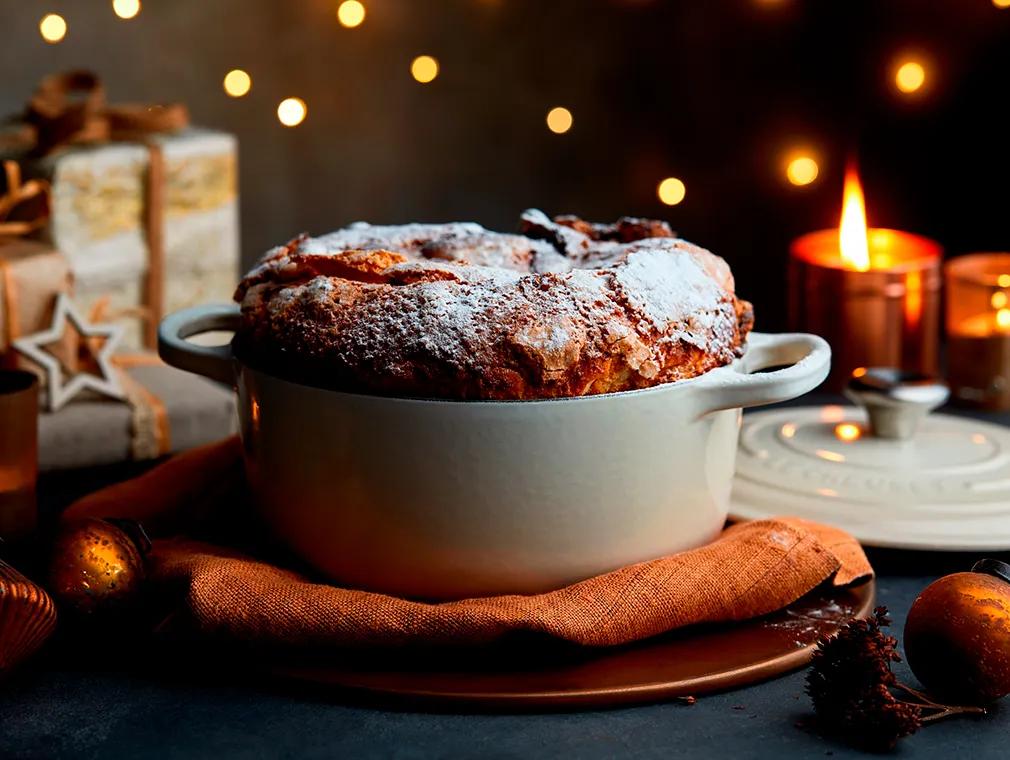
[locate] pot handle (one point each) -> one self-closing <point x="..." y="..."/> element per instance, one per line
<point x="214" y="362"/>
<point x="805" y="361"/>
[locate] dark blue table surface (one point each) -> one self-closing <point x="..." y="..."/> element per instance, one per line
<point x="60" y="707"/>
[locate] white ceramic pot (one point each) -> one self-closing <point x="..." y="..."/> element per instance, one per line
<point x="449" y="499"/>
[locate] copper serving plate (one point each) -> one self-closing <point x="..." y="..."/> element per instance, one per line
<point x="539" y="675"/>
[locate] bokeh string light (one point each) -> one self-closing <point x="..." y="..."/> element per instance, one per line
<point x="559" y="120"/>
<point x="424" y="68"/>
<point x="671" y="191"/>
<point x="292" y="111"/>
<point x="351" y="13"/>
<point x="801" y="169"/>
<point x="237" y="83"/>
<point x="53" y="28"/>
<point x="910" y="76"/>
<point x="126" y="9"/>
<point x="1001" y="3"/>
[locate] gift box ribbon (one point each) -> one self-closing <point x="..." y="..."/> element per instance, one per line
<point x="70" y="108"/>
<point x="150" y="430"/>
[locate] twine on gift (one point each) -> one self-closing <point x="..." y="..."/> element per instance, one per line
<point x="8" y="294"/>
<point x="70" y="108"/>
<point x="150" y="428"/>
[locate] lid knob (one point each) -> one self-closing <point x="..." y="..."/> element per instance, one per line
<point x="895" y="400"/>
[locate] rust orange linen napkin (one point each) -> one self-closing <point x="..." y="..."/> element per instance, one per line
<point x="751" y="570"/>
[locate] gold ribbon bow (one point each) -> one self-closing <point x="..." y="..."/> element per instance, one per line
<point x="24" y="207"/>
<point x="70" y="108"/>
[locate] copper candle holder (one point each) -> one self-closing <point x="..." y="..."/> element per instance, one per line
<point x="887" y="314"/>
<point x="19" y="405"/>
<point x="978" y="329"/>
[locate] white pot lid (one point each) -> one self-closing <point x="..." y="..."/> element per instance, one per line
<point x="947" y="487"/>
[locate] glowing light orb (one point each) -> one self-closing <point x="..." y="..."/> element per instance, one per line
<point x="292" y="111"/>
<point x="237" y="83"/>
<point x="350" y="13"/>
<point x="559" y="120"/>
<point x="847" y="432"/>
<point x="802" y="170"/>
<point x="671" y="191"/>
<point x="53" y="28"/>
<point x="126" y="9"/>
<point x="910" y="77"/>
<point x="424" y="69"/>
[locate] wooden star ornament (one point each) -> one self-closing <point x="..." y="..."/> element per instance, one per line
<point x="59" y="388"/>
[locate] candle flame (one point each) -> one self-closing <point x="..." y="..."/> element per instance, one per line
<point x="852" y="235"/>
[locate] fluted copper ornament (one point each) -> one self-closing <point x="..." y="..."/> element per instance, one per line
<point x="27" y="617"/>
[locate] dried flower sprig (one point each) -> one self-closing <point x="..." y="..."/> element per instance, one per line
<point x="852" y="687"/>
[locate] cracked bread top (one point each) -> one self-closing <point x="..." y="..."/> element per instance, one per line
<point x="566" y="308"/>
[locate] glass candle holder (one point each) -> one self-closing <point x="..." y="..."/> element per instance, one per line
<point x="19" y="408"/>
<point x="978" y="329"/>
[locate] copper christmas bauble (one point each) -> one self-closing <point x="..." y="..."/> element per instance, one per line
<point x="957" y="636"/>
<point x="27" y="617"/>
<point x="96" y="566"/>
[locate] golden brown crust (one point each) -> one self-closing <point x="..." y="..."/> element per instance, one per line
<point x="454" y="311"/>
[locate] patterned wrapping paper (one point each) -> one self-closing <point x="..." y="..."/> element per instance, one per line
<point x="99" y="221"/>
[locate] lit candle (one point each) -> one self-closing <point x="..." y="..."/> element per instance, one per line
<point x="978" y="329"/>
<point x="872" y="293"/>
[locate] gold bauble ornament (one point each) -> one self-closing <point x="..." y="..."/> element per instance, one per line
<point x="97" y="566"/>
<point x="957" y="636"/>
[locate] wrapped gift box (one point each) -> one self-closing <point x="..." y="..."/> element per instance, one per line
<point x="102" y="221"/>
<point x="31" y="276"/>
<point x="167" y="411"/>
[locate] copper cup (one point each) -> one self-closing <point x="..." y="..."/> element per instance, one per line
<point x="978" y="329"/>
<point x="19" y="408"/>
<point x="888" y="316"/>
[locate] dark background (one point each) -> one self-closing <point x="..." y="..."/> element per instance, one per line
<point x="712" y="92"/>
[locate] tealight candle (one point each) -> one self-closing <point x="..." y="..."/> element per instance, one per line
<point x="872" y="293"/>
<point x="978" y="329"/>
<point x="19" y="394"/>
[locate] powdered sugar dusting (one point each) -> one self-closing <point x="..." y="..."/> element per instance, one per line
<point x="393" y="237"/>
<point x="670" y="290"/>
<point x="473" y="313"/>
